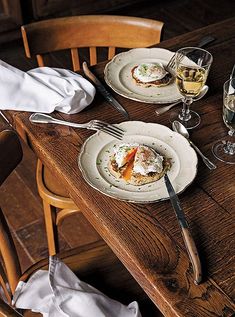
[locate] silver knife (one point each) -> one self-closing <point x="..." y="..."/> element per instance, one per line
<point x="206" y="40"/>
<point x="188" y="239"/>
<point x="104" y="91"/>
<point x="232" y="75"/>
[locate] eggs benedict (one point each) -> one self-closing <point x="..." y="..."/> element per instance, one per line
<point x="151" y="74"/>
<point x="137" y="164"/>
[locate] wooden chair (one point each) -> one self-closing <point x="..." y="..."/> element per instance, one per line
<point x="89" y="31"/>
<point x="74" y="33"/>
<point x="7" y="310"/>
<point x="95" y="263"/>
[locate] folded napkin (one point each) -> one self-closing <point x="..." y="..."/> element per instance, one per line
<point x="43" y="89"/>
<point x="59" y="293"/>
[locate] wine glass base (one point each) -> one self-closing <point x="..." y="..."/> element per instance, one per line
<point x="218" y="150"/>
<point x="192" y="123"/>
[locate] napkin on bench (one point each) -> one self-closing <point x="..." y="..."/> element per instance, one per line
<point x="59" y="293"/>
<point x="43" y="89"/>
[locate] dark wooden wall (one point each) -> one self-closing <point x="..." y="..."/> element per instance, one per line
<point x="179" y="16"/>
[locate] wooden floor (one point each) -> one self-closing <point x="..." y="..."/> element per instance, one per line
<point x="18" y="196"/>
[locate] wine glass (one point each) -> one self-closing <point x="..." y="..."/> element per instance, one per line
<point x="225" y="150"/>
<point x="192" y="68"/>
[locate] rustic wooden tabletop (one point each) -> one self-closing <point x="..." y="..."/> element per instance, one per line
<point x="146" y="237"/>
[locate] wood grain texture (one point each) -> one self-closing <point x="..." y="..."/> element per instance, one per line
<point x="147" y="238"/>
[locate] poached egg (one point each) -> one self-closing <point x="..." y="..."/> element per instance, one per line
<point x="149" y="72"/>
<point x="124" y="152"/>
<point x="147" y="161"/>
<point x="141" y="159"/>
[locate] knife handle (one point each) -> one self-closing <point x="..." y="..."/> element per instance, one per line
<point x="89" y="74"/>
<point x="96" y="81"/>
<point x="193" y="255"/>
<point x="104" y="92"/>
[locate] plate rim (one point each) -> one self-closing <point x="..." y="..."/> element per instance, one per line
<point x="131" y="97"/>
<point x="125" y="199"/>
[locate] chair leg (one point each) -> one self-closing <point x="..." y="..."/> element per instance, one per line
<point x="51" y="228"/>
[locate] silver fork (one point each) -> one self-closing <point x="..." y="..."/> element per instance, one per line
<point x="96" y="125"/>
<point x="172" y="62"/>
<point x="203" y="42"/>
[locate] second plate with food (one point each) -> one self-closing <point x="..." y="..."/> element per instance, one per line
<point x="97" y="151"/>
<point x="118" y="75"/>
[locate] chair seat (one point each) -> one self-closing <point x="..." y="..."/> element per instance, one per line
<point x="52" y="184"/>
<point x="56" y="203"/>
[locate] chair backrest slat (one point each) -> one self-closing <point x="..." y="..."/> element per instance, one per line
<point x="93" y="55"/>
<point x="10" y="156"/>
<point x="9" y="254"/>
<point x="111" y="52"/>
<point x="75" y="59"/>
<point x="4" y="284"/>
<point x="40" y="60"/>
<point x="89" y="31"/>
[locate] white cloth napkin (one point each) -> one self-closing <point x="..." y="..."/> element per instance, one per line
<point x="59" y="293"/>
<point x="43" y="89"/>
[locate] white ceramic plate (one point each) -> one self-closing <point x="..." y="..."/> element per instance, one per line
<point x="97" y="150"/>
<point x="117" y="75"/>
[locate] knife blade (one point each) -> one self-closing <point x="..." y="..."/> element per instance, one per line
<point x="188" y="239"/>
<point x="232" y="75"/>
<point x="231" y="89"/>
<point x="104" y="91"/>
<point x="206" y="40"/>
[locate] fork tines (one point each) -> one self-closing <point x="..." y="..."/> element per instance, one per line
<point x="110" y="129"/>
<point x="172" y="62"/>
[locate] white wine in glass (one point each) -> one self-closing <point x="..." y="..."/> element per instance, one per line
<point x="190" y="80"/>
<point x="225" y="150"/>
<point x="192" y="68"/>
<point x="229" y="111"/>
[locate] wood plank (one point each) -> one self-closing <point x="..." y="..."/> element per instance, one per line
<point x="35" y="231"/>
<point x="17" y="211"/>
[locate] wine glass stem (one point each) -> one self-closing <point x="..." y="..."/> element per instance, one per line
<point x="185" y="112"/>
<point x="229" y="146"/>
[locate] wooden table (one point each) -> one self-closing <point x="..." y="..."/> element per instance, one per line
<point x="147" y="237"/>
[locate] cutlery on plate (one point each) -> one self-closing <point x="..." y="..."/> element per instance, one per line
<point x="96" y="125"/>
<point x="180" y="128"/>
<point x="166" y="108"/>
<point x="203" y="42"/>
<point x="105" y="93"/>
<point x="188" y="239"/>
